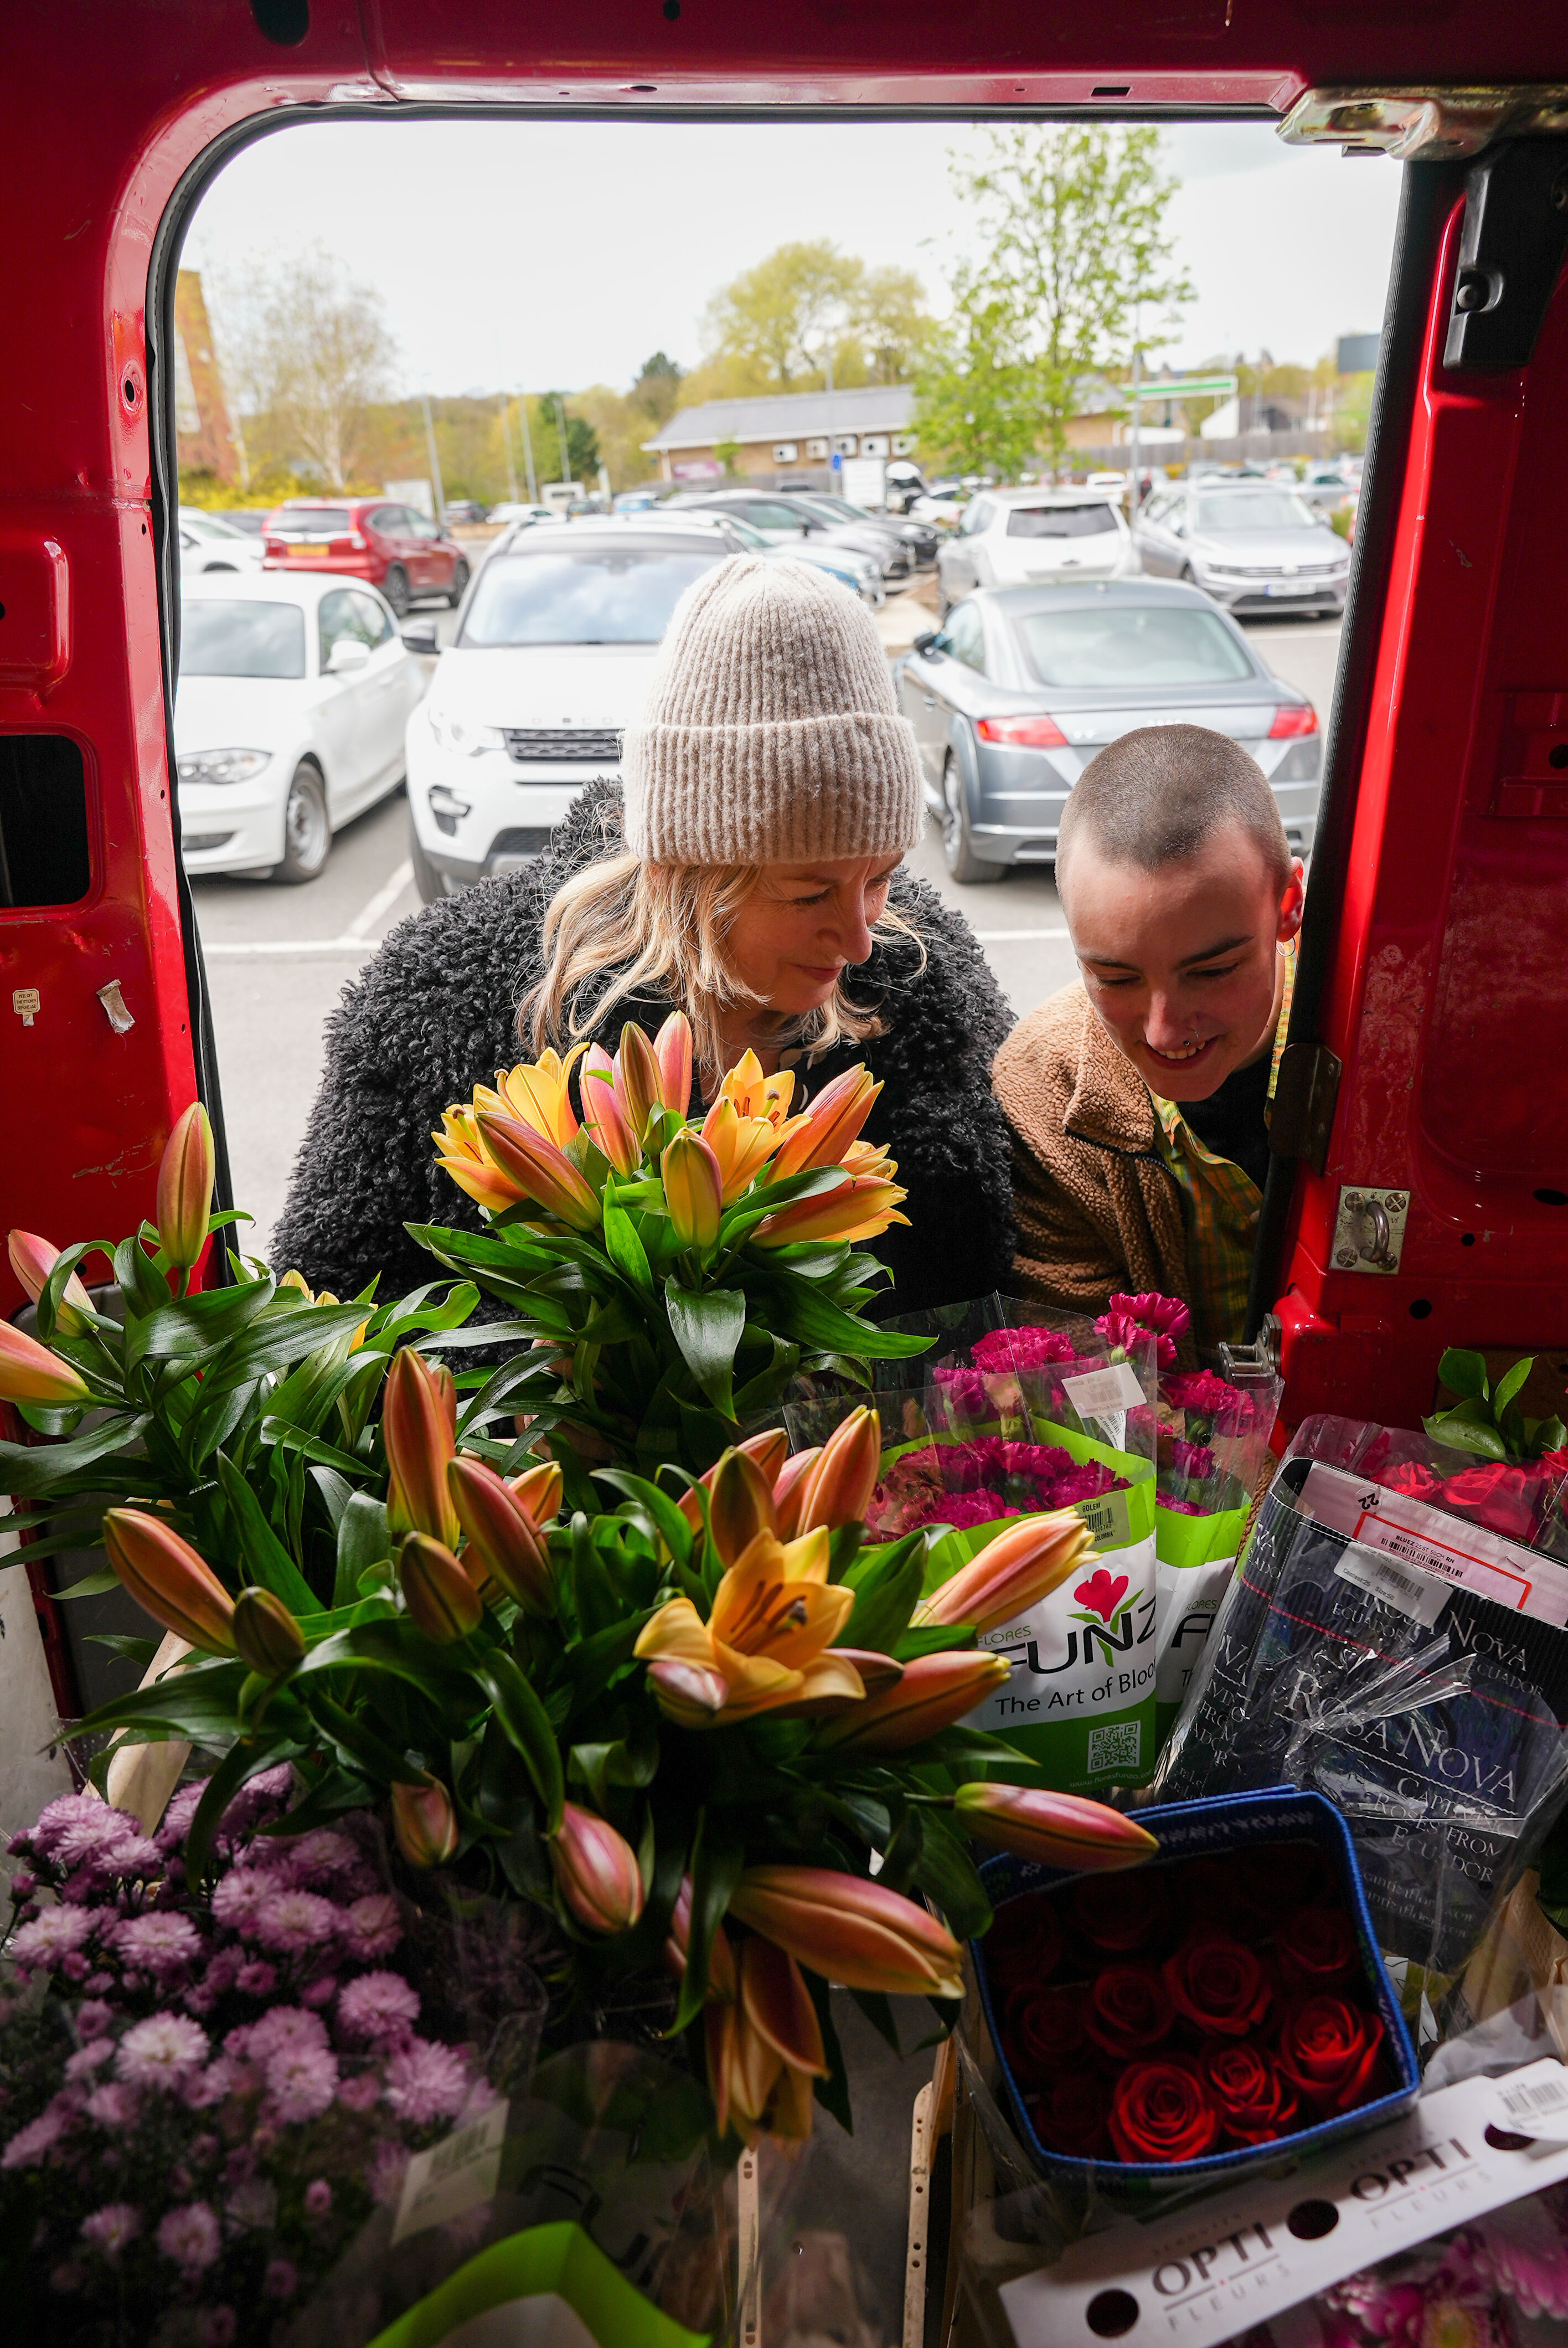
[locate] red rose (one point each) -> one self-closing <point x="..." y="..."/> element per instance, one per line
<point x="1216" y="1985"/>
<point x="1316" y="1949"/>
<point x="1209" y="1895"/>
<point x="1121" y="1913"/>
<point x="1024" y="1944"/>
<point x="1328" y="2050"/>
<point x="1500" y="1496"/>
<point x="1127" y="2011"/>
<point x="1162" y="2111"/>
<point x="1255" y="2104"/>
<point x="1045" y="2031"/>
<point x="1072" y="2117"/>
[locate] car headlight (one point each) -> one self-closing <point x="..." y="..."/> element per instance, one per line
<point x="221" y="766"/>
<point x="461" y="735"/>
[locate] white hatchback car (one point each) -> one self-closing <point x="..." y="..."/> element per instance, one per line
<point x="555" y="644"/>
<point x="1029" y="538"/>
<point x="292" y="697"/>
<point x="209" y="543"/>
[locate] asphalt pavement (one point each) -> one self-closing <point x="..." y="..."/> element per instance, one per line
<point x="278" y="958"/>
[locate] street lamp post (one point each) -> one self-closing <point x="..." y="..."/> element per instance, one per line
<point x="434" y="461"/>
<point x="528" y="448"/>
<point x="505" y="405"/>
<point x="564" y="459"/>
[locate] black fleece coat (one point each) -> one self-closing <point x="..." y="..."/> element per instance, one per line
<point x="434" y="1013"/>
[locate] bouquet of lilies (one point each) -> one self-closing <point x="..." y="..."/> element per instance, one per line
<point x="674" y="1272"/>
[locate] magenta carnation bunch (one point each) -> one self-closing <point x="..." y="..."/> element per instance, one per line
<point x="204" y="2094"/>
<point x="1130" y="1321"/>
<point x="1028" y="1347"/>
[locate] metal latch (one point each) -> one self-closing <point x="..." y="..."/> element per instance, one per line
<point x="1369" y="1229"/>
<point x="1305" y="1092"/>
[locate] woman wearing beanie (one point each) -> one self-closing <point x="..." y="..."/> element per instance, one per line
<point x="748" y="871"/>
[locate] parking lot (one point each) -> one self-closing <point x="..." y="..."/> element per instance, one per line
<point x="278" y="958"/>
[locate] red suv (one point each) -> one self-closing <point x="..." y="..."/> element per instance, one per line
<point x="366" y="538"/>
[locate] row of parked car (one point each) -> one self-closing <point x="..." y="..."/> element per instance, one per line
<point x="300" y="702"/>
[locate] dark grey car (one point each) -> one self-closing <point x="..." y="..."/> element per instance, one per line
<point x="781" y="519"/>
<point x="1021" y="686"/>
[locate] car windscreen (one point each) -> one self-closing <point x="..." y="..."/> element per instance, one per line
<point x="319" y="521"/>
<point x="224" y="638"/>
<point x="1255" y="510"/>
<point x="1117" y="644"/>
<point x="598" y="595"/>
<point x="1060" y="521"/>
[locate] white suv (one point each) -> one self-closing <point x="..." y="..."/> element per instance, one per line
<point x="1028" y="538"/>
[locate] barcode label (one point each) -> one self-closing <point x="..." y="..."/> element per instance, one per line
<point x="1426" y="1540"/>
<point x="1535" y="2100"/>
<point x="1414" y="1594"/>
<point x="1096" y="1393"/>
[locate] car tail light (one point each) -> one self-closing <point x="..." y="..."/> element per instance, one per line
<point x="1023" y="732"/>
<point x="1290" y="719"/>
<point x="272" y="546"/>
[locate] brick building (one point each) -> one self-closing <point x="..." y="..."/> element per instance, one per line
<point x="794" y="434"/>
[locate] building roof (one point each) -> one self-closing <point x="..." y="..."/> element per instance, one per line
<point x="789" y="416"/>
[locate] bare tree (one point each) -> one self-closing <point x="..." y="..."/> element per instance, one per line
<point x="310" y="349"/>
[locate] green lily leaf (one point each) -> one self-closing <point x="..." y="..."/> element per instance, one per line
<point x="527" y="1725"/>
<point x="948" y="1875"/>
<point x="362" y="1541"/>
<point x="887" y="1585"/>
<point x="718" y="1855"/>
<point x="1508" y="1385"/>
<point x="267" y="1562"/>
<point x="1463" y="1373"/>
<point x="707" y="1325"/>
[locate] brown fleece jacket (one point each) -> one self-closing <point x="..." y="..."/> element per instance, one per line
<point x="1096" y="1207"/>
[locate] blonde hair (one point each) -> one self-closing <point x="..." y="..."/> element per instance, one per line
<point x="661" y="929"/>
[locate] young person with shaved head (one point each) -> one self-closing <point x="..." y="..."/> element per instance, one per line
<point x="1140" y="1098"/>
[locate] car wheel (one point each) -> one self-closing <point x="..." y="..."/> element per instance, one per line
<point x="307" y="828"/>
<point x="428" y="878"/>
<point x="213" y="567"/>
<point x="395" y="587"/>
<point x="460" y="583"/>
<point x="957" y="847"/>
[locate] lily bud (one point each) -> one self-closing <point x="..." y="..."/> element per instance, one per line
<point x="829" y="1124"/>
<point x="857" y="1209"/>
<point x="31" y="1372"/>
<point x="840" y="1485"/>
<point x="640" y="1079"/>
<point x="540" y="1170"/>
<point x="1011" y="1573"/>
<point x="739" y="1506"/>
<point x="418" y="1428"/>
<point x="185" y="1187"/>
<point x="501" y="1535"/>
<point x="425" y="1823"/>
<point x="853" y="1932"/>
<point x="31" y="1261"/>
<point x="538" y="1490"/>
<point x="167" y="1578"/>
<point x="693" y="1190"/>
<point x="441" y="1599"/>
<point x="1060" y="1829"/>
<point x="672" y="1050"/>
<point x="605" y="1119"/>
<point x="790" y="1491"/>
<point x="266" y="1635"/>
<point x="597" y="1872"/>
<point x="769" y="1449"/>
<point x="690" y="1695"/>
<point x="934" y="1691"/>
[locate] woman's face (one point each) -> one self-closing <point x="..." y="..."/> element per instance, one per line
<point x="803" y="925"/>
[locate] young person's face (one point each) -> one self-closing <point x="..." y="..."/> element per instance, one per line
<point x="1181" y="966"/>
<point x="803" y="925"/>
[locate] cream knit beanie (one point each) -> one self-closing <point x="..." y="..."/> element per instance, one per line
<point x="770" y="734"/>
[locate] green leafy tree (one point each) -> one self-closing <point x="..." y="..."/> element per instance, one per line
<point x="657" y="388"/>
<point x="975" y="405"/>
<point x="581" y="441"/>
<point x="1076" y="263"/>
<point x="774" y="316"/>
<point x="890" y="324"/>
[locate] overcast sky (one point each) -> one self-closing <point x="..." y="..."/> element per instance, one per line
<point x="542" y="254"/>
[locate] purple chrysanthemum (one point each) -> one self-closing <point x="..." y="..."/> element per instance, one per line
<point x="280" y="2281"/>
<point x="49" y="1936"/>
<point x="424" y="2082"/>
<point x="318" y="2197"/>
<point x="286" y="2026"/>
<point x="369" y="1928"/>
<point x="319" y="1856"/>
<point x="28" y="2146"/>
<point x="89" y="2058"/>
<point x="300" y="2081"/>
<point x="68" y="1810"/>
<point x="111" y="2106"/>
<point x="377" y="2007"/>
<point x="239" y="1899"/>
<point x="159" y="1942"/>
<point x="202" y="2089"/>
<point x="158" y="2052"/>
<point x="292" y="1921"/>
<point x="109" y="2230"/>
<point x="189" y="2235"/>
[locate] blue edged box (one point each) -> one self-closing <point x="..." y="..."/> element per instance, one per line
<point x="1228" y="1823"/>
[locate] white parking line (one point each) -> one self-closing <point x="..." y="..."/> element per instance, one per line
<point x="382" y="902"/>
<point x="249" y="949"/>
<point x="1017" y="937"/>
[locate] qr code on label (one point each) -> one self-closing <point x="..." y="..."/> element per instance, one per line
<point x="1117" y="1746"/>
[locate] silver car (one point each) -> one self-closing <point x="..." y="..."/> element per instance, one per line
<point x="1253" y="546"/>
<point x="1021" y="686"/>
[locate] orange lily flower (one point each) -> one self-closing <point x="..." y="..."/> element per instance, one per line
<point x="773" y="1620"/>
<point x="672" y="1050"/>
<point x="460" y="1151"/>
<point x="606" y="1113"/>
<point x="741" y="1145"/>
<point x="539" y="1170"/>
<point x="597" y="1870"/>
<point x="538" y="1490"/>
<point x="169" y="1580"/>
<point x="538" y="1092"/>
<point x="185" y="1177"/>
<point x="858" y="1208"/>
<point x="693" y="1190"/>
<point x="828" y="1124"/>
<point x="30" y="1371"/>
<point x="31" y="1261"/>
<point x="1011" y="1573"/>
<point x="502" y="1539"/>
<point x="1062" y="1829"/>
<point x="418" y="1428"/>
<point x="841" y="1481"/>
<point x="934" y="1691"/>
<point x="754" y="1095"/>
<point x="425" y="1823"/>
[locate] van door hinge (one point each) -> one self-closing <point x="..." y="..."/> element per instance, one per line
<point x="1305" y="1092"/>
<point x="1511" y="249"/>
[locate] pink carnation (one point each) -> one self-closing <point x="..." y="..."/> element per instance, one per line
<point x="377" y="2007"/>
<point x="370" y="1927"/>
<point x="424" y="2082"/>
<point x="1177" y="1508"/>
<point x="965" y="1390"/>
<point x="189" y="2235"/>
<point x="158" y="2052"/>
<point x="1086" y="1482"/>
<point x="1200" y="1390"/>
<point x="967" y="1509"/>
<point x="1120" y="1330"/>
<point x="109" y="2230"/>
<point x="158" y="1942"/>
<point x="1029" y="1347"/>
<point x="1192" y="1459"/>
<point x="292" y="1921"/>
<point x="1165" y="1316"/>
